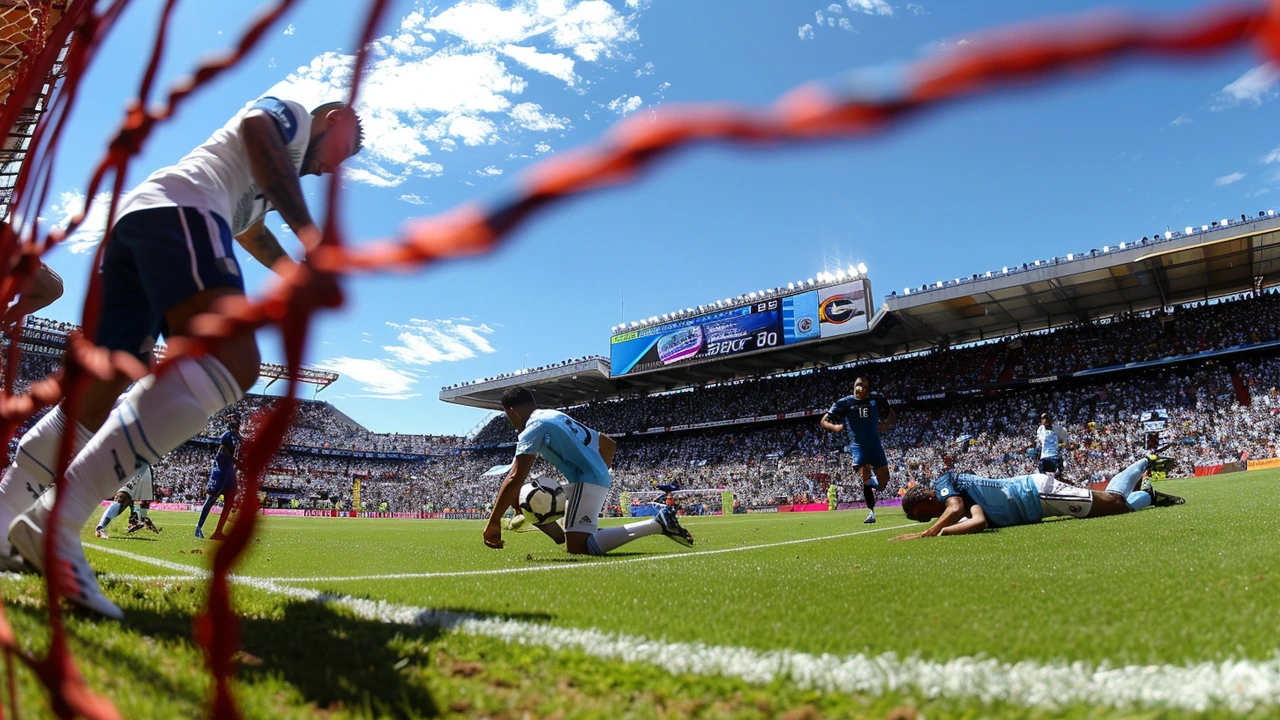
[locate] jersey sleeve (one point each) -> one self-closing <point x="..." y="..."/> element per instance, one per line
<point x="837" y="409"/>
<point x="533" y="439"/>
<point x="285" y="113"/>
<point x="943" y="487"/>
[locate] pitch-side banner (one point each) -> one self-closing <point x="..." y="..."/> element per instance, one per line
<point x="768" y="323"/>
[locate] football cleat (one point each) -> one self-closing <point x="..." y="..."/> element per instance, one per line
<point x="1160" y="463"/>
<point x="150" y="525"/>
<point x="515" y="523"/>
<point x="671" y="527"/>
<point x="100" y="533"/>
<point x="871" y="518"/>
<point x="79" y="584"/>
<point x="199" y="534"/>
<point x="1167" y="500"/>
<point x="134" y="527"/>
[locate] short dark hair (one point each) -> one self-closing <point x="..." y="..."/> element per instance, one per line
<point x="862" y="379"/>
<point x="517" y="397"/>
<point x="914" y="496"/>
<point x="339" y="105"/>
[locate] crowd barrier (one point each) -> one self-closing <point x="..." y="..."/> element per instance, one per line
<point x="1264" y="463"/>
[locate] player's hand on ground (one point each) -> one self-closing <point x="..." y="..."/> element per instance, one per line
<point x="493" y="536"/>
<point x="908" y="536"/>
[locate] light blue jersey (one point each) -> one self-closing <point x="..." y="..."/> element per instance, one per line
<point x="566" y="443"/>
<point x="1007" y="501"/>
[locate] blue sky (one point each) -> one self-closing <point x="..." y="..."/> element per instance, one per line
<point x="466" y="95"/>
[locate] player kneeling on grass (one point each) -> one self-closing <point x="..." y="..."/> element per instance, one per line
<point x="965" y="503"/>
<point x="584" y="456"/>
<point x="140" y="488"/>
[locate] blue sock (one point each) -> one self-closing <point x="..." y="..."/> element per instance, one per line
<point x="204" y="511"/>
<point x="108" y="515"/>
<point x="1128" y="479"/>
<point x="593" y="547"/>
<point x="1138" y="500"/>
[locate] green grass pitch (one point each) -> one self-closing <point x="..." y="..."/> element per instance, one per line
<point x="1163" y="588"/>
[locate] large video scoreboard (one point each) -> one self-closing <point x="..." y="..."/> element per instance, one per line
<point x="779" y="321"/>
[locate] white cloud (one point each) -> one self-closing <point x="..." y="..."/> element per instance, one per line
<point x="1180" y="121"/>
<point x="452" y="79"/>
<point x="1255" y="86"/>
<point x="625" y="105"/>
<point x="870" y="7"/>
<point x="835" y="8"/>
<point x="378" y="377"/>
<point x="1272" y="157"/>
<point x="87" y="236"/>
<point x="426" y="342"/>
<point x="412" y="199"/>
<point x="917" y="10"/>
<point x="541" y="148"/>
<point x="805" y="32"/>
<point x="1228" y="179"/>
<point x="1258" y="192"/>
<point x="646" y="70"/>
<point x="290" y="30"/>
<point x="490" y="171"/>
<point x="530" y="117"/>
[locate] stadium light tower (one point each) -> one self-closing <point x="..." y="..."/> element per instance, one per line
<point x="862" y="268"/>
<point x="791" y="286"/>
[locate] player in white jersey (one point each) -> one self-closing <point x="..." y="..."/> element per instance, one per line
<point x="168" y="260"/>
<point x="1050" y="437"/>
<point x="584" y="456"/>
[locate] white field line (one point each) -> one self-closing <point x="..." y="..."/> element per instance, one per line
<point x="1241" y="686"/>
<point x="585" y="563"/>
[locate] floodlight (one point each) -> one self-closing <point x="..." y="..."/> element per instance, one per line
<point x="1224" y="222"/>
<point x="1168" y="234"/>
<point x="791" y="286"/>
<point x="1189" y="230"/>
<point x="1204" y="228"/>
<point x="862" y="268"/>
<point x="1005" y="270"/>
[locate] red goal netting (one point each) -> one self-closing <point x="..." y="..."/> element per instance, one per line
<point x="42" y="39"/>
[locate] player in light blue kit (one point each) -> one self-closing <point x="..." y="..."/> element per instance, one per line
<point x="584" y="456"/>
<point x="964" y="503"/>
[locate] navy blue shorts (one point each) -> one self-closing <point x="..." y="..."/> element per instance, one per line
<point x="220" y="483"/>
<point x="155" y="259"/>
<point x="872" y="455"/>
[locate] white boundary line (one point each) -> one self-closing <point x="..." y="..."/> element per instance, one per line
<point x="586" y="562"/>
<point x="1241" y="686"/>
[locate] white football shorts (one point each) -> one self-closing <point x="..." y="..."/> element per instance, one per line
<point x="584" y="501"/>
<point x="1059" y="498"/>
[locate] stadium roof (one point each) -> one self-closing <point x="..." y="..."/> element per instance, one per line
<point x="572" y="383"/>
<point x="1217" y="260"/>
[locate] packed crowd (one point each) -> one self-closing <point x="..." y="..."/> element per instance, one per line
<point x="1123" y="339"/>
<point x="1219" y="410"/>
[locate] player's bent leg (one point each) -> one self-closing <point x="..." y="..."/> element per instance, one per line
<point x="1107" y="503"/>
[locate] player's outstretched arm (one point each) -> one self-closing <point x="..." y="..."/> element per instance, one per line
<point x="275" y="175"/>
<point x="975" y="523"/>
<point x="608" y="448"/>
<point x="508" y="495"/>
<point x="262" y="244"/>
<point x="954" y="513"/>
<point x="828" y="424"/>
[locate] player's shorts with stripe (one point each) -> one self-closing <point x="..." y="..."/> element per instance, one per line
<point x="866" y="454"/>
<point x="155" y="259"/>
<point x="140" y="487"/>
<point x="584" y="501"/>
<point x="1059" y="498"/>
<point x="220" y="483"/>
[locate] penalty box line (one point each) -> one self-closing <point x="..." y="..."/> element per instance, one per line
<point x="1241" y="686"/>
<point x="179" y="567"/>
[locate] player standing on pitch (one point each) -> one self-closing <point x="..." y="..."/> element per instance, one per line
<point x="169" y="260"/>
<point x="222" y="479"/>
<point x="863" y="417"/>
<point x="140" y="488"/>
<point x="1051" y="438"/>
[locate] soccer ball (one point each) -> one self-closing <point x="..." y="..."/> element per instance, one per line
<point x="542" y="500"/>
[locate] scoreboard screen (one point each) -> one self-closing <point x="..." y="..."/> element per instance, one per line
<point x="803" y="316"/>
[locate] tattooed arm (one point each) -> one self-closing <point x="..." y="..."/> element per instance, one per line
<point x="263" y="246"/>
<point x="275" y="175"/>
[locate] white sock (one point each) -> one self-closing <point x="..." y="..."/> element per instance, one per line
<point x="611" y="538"/>
<point x="33" y="467"/>
<point x="153" y="418"/>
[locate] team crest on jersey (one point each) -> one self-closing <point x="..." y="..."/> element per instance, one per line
<point x="945" y="492"/>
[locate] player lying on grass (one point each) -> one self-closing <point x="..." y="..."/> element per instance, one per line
<point x="964" y="503"/>
<point x="584" y="456"/>
<point x="140" y="488"/>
